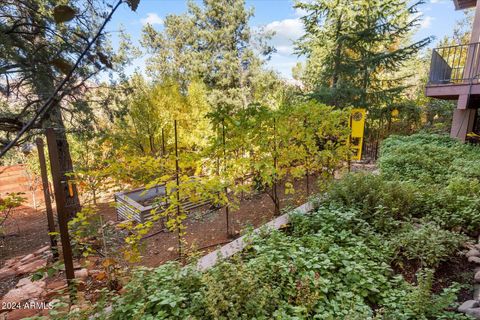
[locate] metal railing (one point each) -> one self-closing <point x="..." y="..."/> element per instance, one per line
<point x="455" y="65"/>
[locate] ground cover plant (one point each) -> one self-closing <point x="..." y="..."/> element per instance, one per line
<point x="444" y="173"/>
<point x="205" y="118"/>
<point x="351" y="258"/>
<point x="330" y="265"/>
<point x="7" y="205"/>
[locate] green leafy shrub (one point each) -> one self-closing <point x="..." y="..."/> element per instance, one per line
<point x="327" y="268"/>
<point x="455" y="207"/>
<point x="425" y="244"/>
<point x="428" y="159"/>
<point x="382" y="203"/>
<point x="336" y="262"/>
<point x="422" y="176"/>
<point x="418" y="301"/>
<point x="7" y="204"/>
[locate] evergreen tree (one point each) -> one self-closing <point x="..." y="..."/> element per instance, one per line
<point x="355" y="49"/>
<point x="40" y="41"/>
<point x="212" y="42"/>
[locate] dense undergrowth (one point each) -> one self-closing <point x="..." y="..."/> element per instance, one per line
<point x="339" y="262"/>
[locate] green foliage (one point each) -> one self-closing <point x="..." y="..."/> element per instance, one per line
<point x="328" y="268"/>
<point x="7" y="204"/>
<point x="147" y="127"/>
<point x="425" y="244"/>
<point x="384" y="204"/>
<point x="83" y="230"/>
<point x="428" y="158"/>
<point x="355" y="50"/>
<point x="212" y="42"/>
<point x="419" y="302"/>
<point x="48" y="271"/>
<point x="455" y="206"/>
<point x="335" y="263"/>
<point x="444" y="174"/>
<point x="52" y="41"/>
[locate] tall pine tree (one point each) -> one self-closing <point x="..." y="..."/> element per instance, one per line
<point x="355" y="49"/>
<point x="212" y="42"/>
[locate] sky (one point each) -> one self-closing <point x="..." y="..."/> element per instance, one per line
<point x="438" y="19"/>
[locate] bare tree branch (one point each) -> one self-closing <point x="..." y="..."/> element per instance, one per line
<point x="53" y="99"/>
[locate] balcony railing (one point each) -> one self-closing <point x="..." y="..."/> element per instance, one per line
<point x="455" y="65"/>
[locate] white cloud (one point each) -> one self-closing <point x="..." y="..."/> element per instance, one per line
<point x="286" y="32"/>
<point x="300" y="12"/>
<point x="426" y="22"/>
<point x="284" y="50"/>
<point x="152" y="18"/>
<point x="283" y="64"/>
<point x="289" y="28"/>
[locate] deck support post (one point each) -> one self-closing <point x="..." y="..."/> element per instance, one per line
<point x="462" y="123"/>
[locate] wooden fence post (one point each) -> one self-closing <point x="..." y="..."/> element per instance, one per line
<point x="46" y="196"/>
<point x="60" y="188"/>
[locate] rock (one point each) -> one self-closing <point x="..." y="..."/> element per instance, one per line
<point x="81" y="274"/>
<point x="474" y="259"/>
<point x="18" y="314"/>
<point x="476" y="291"/>
<point x="23" y="282"/>
<point x="28" y="258"/>
<point x="469" y="304"/>
<point x="94" y="272"/>
<point x="11" y="262"/>
<point x="472" y="253"/>
<point x="477" y="276"/>
<point x="34" y="266"/>
<point x="74" y="308"/>
<point x="42" y="250"/>
<point x="54" y="285"/>
<point x="26" y="292"/>
<point x="49" y="295"/>
<point x="7" y="273"/>
<point x="474" y="312"/>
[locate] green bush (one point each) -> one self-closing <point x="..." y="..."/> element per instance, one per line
<point x="428" y="159"/>
<point x="331" y="266"/>
<point x="422" y="176"/>
<point x="383" y="204"/>
<point x="418" y="301"/>
<point x="425" y="245"/>
<point x="454" y="207"/>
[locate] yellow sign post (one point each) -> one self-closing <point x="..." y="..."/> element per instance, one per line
<point x="357" y="124"/>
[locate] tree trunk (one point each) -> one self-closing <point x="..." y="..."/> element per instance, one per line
<point x="44" y="85"/>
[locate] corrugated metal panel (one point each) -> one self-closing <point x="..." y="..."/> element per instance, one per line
<point x="129" y="207"/>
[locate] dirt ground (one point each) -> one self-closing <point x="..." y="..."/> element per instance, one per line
<point x="27" y="230"/>
<point x="205" y="232"/>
